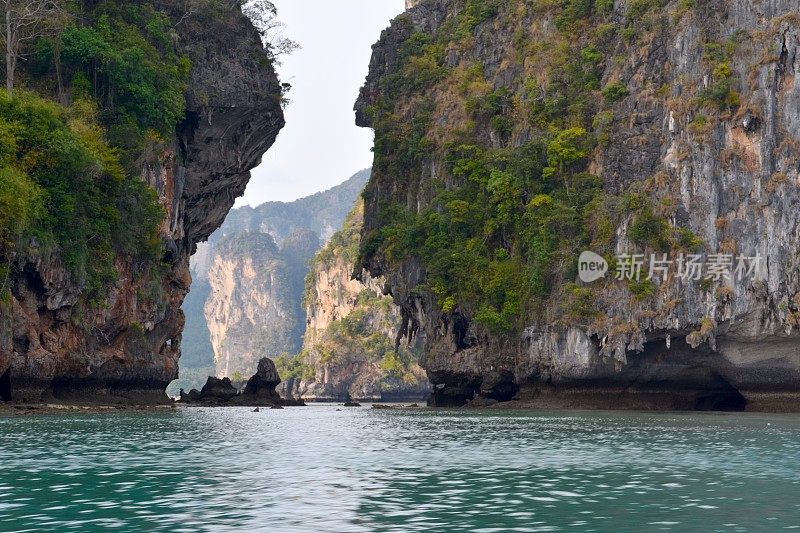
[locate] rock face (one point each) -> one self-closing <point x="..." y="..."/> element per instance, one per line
<point x="127" y="347"/>
<point x="349" y="345"/>
<point x="262" y="384"/>
<point x="256" y="263"/>
<point x="254" y="306"/>
<point x="695" y="111"/>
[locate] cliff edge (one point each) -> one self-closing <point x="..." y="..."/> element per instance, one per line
<point x="66" y="339"/>
<point x="513" y="136"/>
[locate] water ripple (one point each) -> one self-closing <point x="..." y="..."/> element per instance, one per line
<point x="318" y="469"/>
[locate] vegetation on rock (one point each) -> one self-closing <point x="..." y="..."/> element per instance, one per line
<point x="65" y="187"/>
<point x="104" y="94"/>
<point x="500" y="231"/>
<point x="360" y="332"/>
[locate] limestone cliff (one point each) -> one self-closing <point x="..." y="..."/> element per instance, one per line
<point x="254" y="308"/>
<point x="349" y="344"/>
<point x="510" y="136"/>
<point x="298" y="229"/>
<point x="127" y="344"/>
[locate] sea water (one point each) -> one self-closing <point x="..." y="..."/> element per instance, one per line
<point x="331" y="469"/>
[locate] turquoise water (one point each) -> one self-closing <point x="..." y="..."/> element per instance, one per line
<point x="322" y="470"/>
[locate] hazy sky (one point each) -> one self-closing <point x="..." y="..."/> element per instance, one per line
<point x="321" y="146"/>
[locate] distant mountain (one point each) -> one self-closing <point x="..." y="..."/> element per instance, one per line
<point x="246" y="301"/>
<point x="322" y="213"/>
<point x="254" y="308"/>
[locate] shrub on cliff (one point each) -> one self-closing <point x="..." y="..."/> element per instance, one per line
<point x="74" y="193"/>
<point x="499" y="225"/>
<point x="294" y="366"/>
<point x="124" y="56"/>
<point x="20" y="200"/>
<point x="70" y="170"/>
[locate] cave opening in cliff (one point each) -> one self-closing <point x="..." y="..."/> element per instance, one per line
<point x="694" y="377"/>
<point x="5" y="386"/>
<point x="729" y="399"/>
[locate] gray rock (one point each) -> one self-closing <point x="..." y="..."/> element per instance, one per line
<point x="262" y="384"/>
<point x="218" y="390"/>
<point x="733" y="184"/>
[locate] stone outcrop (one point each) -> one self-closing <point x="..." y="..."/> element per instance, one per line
<point x="262" y="384"/>
<point x="259" y="391"/>
<point x="729" y="176"/>
<point x="218" y="390"/>
<point x="126" y="348"/>
<point x="349" y="349"/>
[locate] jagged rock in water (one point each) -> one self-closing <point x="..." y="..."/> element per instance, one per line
<point x="679" y="122"/>
<point x="262" y="384"/>
<point x="349" y="402"/>
<point x="259" y="390"/>
<point x="218" y="390"/>
<point x="193" y="396"/>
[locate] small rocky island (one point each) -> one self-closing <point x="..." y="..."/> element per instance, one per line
<point x="259" y="391"/>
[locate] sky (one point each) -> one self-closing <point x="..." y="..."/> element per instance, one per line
<point x="321" y="146"/>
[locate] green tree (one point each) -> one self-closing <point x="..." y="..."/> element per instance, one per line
<point x="568" y="147"/>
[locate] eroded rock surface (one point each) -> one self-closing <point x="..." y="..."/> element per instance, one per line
<point x="727" y="174"/>
<point x="126" y="348"/>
